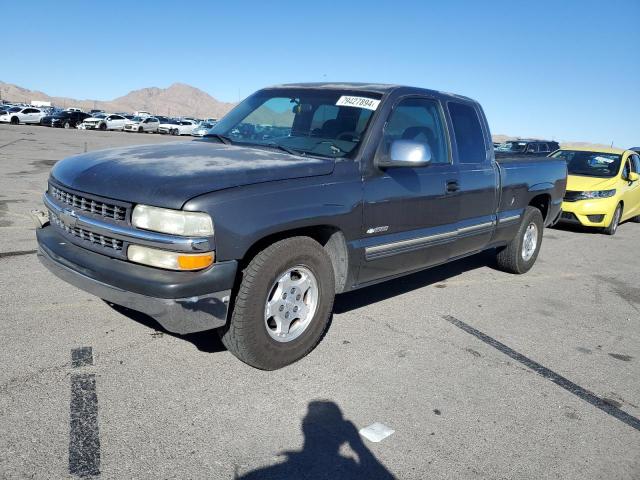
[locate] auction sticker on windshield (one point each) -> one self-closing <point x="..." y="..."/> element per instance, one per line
<point x="360" y="102"/>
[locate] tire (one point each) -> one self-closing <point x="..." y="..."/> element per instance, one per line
<point x="140" y="129"/>
<point x="635" y="219"/>
<point x="615" y="221"/>
<point x="15" y="121"/>
<point x="253" y="337"/>
<point x="103" y="126"/>
<point x="67" y="125"/>
<point x="513" y="258"/>
<point x="175" y="131"/>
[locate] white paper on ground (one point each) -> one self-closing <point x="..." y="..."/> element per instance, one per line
<point x="376" y="432"/>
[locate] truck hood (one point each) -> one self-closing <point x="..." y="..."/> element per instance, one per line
<point x="585" y="184"/>
<point x="170" y="174"/>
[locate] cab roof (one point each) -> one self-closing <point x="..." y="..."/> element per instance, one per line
<point x="381" y="88"/>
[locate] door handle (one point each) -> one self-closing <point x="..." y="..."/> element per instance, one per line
<point x="452" y="186"/>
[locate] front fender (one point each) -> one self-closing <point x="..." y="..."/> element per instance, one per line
<point x="242" y="216"/>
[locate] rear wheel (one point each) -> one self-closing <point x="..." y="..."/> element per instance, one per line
<point x="15" y="121"/>
<point x="174" y="131"/>
<point x="283" y="305"/>
<point x="67" y="125"/>
<point x="521" y="253"/>
<point x="103" y="126"/>
<point x="140" y="129"/>
<point x="615" y="221"/>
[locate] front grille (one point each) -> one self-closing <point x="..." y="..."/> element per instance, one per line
<point x="97" y="207"/>
<point x="95" y="239"/>
<point x="572" y="196"/>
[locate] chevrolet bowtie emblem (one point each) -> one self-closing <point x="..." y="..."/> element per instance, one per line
<point x="69" y="218"/>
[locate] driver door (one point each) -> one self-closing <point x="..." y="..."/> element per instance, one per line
<point x="631" y="196"/>
<point x="410" y="213"/>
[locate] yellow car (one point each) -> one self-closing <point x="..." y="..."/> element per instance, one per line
<point x="603" y="187"/>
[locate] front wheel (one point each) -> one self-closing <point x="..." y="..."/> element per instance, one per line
<point x="283" y="305"/>
<point x="140" y="129"/>
<point x="67" y="125"/>
<point x="615" y="221"/>
<point x="521" y="253"/>
<point x="15" y="121"/>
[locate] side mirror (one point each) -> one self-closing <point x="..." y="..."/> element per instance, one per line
<point x="407" y="153"/>
<point x="633" y="177"/>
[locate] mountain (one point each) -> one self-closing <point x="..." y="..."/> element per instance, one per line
<point x="178" y="99"/>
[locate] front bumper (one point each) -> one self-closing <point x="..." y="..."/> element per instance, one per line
<point x="589" y="213"/>
<point x="182" y="302"/>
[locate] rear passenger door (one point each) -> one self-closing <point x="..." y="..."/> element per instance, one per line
<point x="478" y="179"/>
<point x="410" y="213"/>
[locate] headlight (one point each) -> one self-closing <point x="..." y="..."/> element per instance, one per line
<point x="169" y="260"/>
<point x="596" y="194"/>
<point x="175" y="222"/>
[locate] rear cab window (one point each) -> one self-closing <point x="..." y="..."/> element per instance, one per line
<point x="467" y="133"/>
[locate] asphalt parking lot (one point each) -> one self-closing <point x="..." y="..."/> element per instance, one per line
<point x="481" y="374"/>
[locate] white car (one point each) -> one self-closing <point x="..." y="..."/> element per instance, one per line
<point x="142" y="124"/>
<point x="103" y="121"/>
<point x="177" y="127"/>
<point x="24" y="115"/>
<point x="202" y="129"/>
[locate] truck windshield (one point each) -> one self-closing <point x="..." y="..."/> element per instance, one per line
<point x="316" y="122"/>
<point x="512" y="147"/>
<point x="590" y="164"/>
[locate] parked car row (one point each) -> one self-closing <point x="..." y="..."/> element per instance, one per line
<point x="140" y="122"/>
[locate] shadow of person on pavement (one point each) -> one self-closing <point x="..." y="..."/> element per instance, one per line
<point x="326" y="431"/>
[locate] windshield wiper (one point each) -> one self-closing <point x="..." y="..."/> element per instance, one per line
<point x="285" y="149"/>
<point x="222" y="138"/>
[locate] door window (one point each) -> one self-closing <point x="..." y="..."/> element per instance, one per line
<point x="543" y="148"/>
<point x="635" y="163"/>
<point x="417" y="119"/>
<point x="468" y="133"/>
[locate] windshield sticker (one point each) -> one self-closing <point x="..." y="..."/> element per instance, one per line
<point x="359" y="102"/>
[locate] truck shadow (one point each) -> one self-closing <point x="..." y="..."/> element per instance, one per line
<point x="208" y="341"/>
<point x="326" y="432"/>
<point x="390" y="288"/>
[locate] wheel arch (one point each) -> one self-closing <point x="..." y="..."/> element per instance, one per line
<point x="542" y="203"/>
<point x="331" y="238"/>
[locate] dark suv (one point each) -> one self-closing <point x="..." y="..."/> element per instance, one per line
<point x="512" y="148"/>
<point x="64" y="119"/>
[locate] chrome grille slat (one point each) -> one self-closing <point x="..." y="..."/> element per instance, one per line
<point x="87" y="204"/>
<point x="94" y="238"/>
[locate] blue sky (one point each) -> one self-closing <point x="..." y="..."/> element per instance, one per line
<point x="563" y="69"/>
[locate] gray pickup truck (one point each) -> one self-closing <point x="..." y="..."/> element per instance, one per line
<point x="299" y="193"/>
